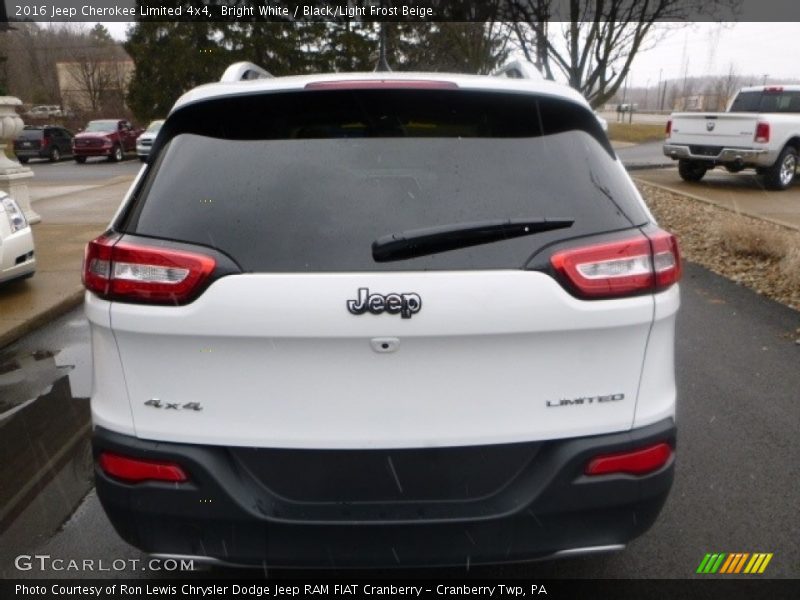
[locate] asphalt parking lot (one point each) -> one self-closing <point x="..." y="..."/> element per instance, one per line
<point x="68" y="172"/>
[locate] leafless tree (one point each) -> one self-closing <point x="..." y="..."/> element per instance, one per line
<point x="95" y="74"/>
<point x="597" y="40"/>
<point x="726" y="87"/>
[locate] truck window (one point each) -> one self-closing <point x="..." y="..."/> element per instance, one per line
<point x="767" y="102"/>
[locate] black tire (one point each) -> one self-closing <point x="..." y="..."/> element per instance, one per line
<point x="80" y="159"/>
<point x="55" y="154"/>
<point x="781" y="175"/>
<point x="143" y="158"/>
<point x="691" y="170"/>
<point x="23" y="160"/>
<point x="117" y="155"/>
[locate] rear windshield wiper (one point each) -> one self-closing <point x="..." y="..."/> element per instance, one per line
<point x="419" y="242"/>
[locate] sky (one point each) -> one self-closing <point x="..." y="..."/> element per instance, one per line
<point x="755" y="49"/>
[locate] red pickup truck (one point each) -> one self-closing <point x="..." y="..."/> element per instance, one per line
<point x="111" y="138"/>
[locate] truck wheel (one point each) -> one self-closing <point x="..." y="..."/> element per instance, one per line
<point x="23" y="160"/>
<point x="780" y="175"/>
<point x="117" y="155"/>
<point x="55" y="155"/>
<point x="80" y="159"/>
<point x="691" y="170"/>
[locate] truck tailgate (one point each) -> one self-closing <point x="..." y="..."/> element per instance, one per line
<point x="730" y="130"/>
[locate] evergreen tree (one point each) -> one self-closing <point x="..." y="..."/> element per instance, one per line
<point x="170" y="59"/>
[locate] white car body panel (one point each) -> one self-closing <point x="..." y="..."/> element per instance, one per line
<point x="289" y="367"/>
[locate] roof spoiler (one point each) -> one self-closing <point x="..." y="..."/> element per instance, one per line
<point x="518" y="70"/>
<point x="244" y="71"/>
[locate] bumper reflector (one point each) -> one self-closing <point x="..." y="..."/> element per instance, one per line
<point x="134" y="470"/>
<point x="635" y="462"/>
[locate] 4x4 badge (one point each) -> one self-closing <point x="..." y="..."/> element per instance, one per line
<point x="404" y="304"/>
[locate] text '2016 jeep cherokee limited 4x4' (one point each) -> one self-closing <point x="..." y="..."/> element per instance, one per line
<point x="382" y="319"/>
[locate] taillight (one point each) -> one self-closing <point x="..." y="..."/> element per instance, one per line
<point x="632" y="462"/>
<point x="762" y="133"/>
<point x="666" y="259"/>
<point x="128" y="272"/>
<point x="633" y="266"/>
<point x="382" y="84"/>
<point x="45" y="141"/>
<point x="668" y="130"/>
<point x="135" y="470"/>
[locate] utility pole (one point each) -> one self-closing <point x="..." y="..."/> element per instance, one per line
<point x="658" y="88"/>
<point x="625" y="88"/>
<point x="624" y="96"/>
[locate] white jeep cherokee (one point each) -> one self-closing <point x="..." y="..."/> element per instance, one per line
<point x="382" y="318"/>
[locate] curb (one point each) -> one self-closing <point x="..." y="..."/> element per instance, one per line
<point x="722" y="206"/>
<point x="641" y="167"/>
<point x="42" y="318"/>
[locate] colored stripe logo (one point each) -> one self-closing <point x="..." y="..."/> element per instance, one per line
<point x="735" y="563"/>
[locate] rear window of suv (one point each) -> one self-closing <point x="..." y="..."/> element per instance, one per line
<point x="31" y="134"/>
<point x="306" y="181"/>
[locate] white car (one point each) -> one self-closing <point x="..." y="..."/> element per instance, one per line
<point x="145" y="141"/>
<point x="373" y="319"/>
<point x="17" y="259"/>
<point x="45" y="111"/>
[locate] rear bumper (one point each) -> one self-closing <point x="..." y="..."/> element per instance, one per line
<point x="31" y="152"/>
<point x="546" y="508"/>
<point x="745" y="156"/>
<point x="88" y="152"/>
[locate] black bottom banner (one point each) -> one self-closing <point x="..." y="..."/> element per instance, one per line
<point x="653" y="589"/>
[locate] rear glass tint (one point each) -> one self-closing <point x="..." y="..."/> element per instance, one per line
<point x="767" y="102"/>
<point x="306" y="182"/>
<point x="30" y="134"/>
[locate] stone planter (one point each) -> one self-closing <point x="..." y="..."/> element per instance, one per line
<point x="13" y="176"/>
<point x="10" y="127"/>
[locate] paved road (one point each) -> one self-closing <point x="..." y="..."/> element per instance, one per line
<point x="644" y="156"/>
<point x="741" y="192"/>
<point x="638" y="117"/>
<point x="67" y="172"/>
<point x="736" y="485"/>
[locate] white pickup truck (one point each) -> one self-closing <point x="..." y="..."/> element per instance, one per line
<point x="761" y="130"/>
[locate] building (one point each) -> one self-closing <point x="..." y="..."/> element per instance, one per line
<point x="94" y="87"/>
